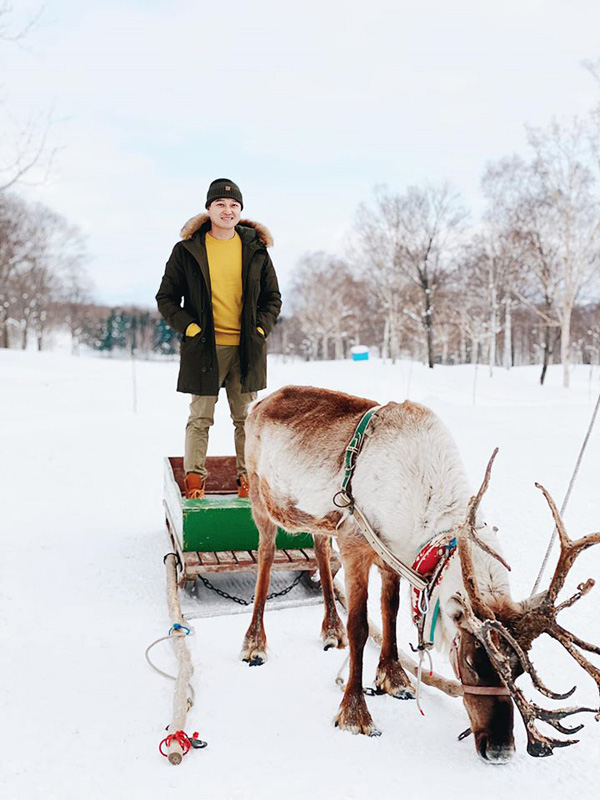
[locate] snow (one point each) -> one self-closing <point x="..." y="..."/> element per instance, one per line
<point x="82" y="591"/>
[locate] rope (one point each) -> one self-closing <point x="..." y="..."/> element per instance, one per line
<point x="170" y="636"/>
<point x="566" y="500"/>
<point x="183" y="740"/>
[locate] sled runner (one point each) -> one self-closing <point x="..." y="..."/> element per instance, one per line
<point x="211" y="536"/>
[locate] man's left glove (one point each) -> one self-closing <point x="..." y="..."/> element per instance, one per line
<point x="193" y="329"/>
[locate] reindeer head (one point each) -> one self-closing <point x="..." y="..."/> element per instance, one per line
<point x="492" y="647"/>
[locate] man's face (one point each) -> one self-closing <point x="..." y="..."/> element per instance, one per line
<point x="224" y="213"/>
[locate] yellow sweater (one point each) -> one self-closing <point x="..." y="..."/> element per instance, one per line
<point x="225" y="267"/>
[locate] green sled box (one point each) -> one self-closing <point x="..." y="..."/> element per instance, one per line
<point x="221" y="520"/>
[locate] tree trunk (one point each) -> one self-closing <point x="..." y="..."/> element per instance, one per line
<point x="394" y="338"/>
<point x="565" y="345"/>
<point x="463" y="346"/>
<point x="547" y="354"/>
<point x="508" y="347"/>
<point x="428" y="322"/>
<point x="385" y="348"/>
<point x="4" y="333"/>
<point x="339" y="347"/>
<point x="445" y="350"/>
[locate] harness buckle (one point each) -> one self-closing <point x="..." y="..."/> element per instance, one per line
<point x="343" y="500"/>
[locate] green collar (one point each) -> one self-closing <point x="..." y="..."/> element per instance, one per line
<point x="355" y="446"/>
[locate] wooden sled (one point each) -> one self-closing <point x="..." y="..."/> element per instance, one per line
<point x="217" y="534"/>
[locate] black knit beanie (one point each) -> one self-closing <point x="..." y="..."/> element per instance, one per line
<point x="223" y="187"/>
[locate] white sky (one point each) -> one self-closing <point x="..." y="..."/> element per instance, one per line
<point x="307" y="106"/>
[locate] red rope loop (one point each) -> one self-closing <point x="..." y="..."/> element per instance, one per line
<point x="182" y="739"/>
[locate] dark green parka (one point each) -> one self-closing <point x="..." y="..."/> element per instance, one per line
<point x="187" y="276"/>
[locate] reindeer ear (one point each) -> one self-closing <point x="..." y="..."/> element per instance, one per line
<point x="455" y="610"/>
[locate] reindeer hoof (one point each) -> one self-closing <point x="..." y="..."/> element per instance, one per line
<point x="254" y="653"/>
<point x="254" y="658"/>
<point x="333" y="642"/>
<point x="369" y="730"/>
<point x="391" y="679"/>
<point x="334" y="638"/>
<point x="355" y="718"/>
<point x="404" y="694"/>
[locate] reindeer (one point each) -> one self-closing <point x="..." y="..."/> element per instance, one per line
<point x="408" y="492"/>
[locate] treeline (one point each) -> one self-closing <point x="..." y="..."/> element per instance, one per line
<point x="43" y="282"/>
<point x="44" y="287"/>
<point x="419" y="280"/>
<point x="130" y="330"/>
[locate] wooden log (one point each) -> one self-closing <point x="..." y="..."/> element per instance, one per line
<point x="208" y="559"/>
<point x="184" y="662"/>
<point x="227" y="561"/>
<point x="244" y="557"/>
<point x="191" y="559"/>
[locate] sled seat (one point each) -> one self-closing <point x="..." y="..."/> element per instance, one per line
<point x="221" y="521"/>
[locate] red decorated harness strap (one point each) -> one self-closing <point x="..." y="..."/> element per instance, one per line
<point x="426" y="563"/>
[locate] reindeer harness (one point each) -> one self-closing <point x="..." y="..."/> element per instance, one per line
<point x="426" y="573"/>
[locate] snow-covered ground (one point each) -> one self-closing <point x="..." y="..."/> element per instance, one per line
<point x="82" y="593"/>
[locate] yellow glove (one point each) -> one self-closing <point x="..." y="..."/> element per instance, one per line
<point x="192" y="330"/>
<point x="260" y="330"/>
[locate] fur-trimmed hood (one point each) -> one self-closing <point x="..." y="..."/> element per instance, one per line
<point x="194" y="224"/>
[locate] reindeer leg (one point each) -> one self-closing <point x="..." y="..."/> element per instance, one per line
<point x="333" y="631"/>
<point x="353" y="714"/>
<point x="254" y="647"/>
<point x="390" y="677"/>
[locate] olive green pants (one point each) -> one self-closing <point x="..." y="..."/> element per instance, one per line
<point x="202" y="411"/>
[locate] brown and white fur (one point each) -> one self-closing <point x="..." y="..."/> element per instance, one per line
<point x="410" y="484"/>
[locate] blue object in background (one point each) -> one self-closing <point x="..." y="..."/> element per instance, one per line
<point x="359" y="352"/>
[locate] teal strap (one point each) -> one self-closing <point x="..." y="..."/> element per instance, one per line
<point x="434" y="619"/>
<point x="355" y="446"/>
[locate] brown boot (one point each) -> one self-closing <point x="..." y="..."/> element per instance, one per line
<point x="243" y="486"/>
<point x="194" y="486"/>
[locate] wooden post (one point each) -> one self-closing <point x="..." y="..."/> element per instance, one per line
<point x="184" y="661"/>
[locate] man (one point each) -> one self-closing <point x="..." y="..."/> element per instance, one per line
<point x="222" y="271"/>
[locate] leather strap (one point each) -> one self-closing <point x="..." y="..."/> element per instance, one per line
<point x="493" y="691"/>
<point x="386" y="554"/>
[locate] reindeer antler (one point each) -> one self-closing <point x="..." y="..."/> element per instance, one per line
<point x="544" y="614"/>
<point x="537" y="743"/>
<point x="540" y="618"/>
<point x="468" y="533"/>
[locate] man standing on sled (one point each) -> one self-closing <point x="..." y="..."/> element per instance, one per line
<point x="222" y="271"/>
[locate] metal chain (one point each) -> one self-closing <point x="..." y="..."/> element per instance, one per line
<point x="240" y="600"/>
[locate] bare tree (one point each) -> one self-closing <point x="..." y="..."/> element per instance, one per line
<point x="28" y="140"/>
<point x="409" y="239"/>
<point x="41" y="265"/>
<point x="15" y="256"/>
<point x="565" y="173"/>
<point x="326" y="300"/>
